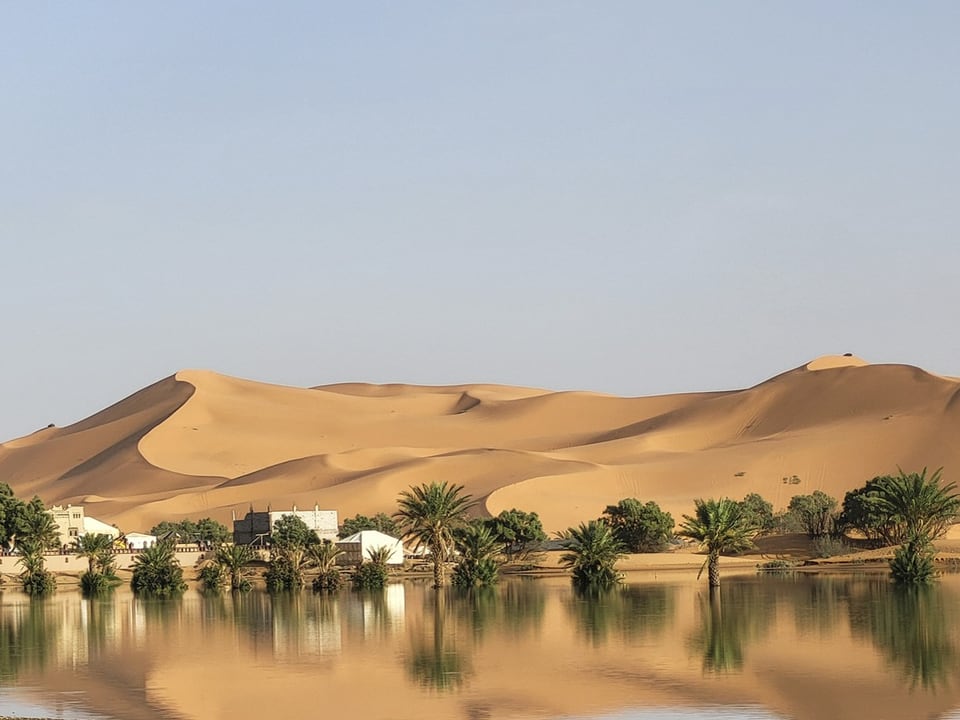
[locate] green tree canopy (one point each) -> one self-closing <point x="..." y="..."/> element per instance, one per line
<point x="187" y="530"/>
<point x="292" y="531"/>
<point x="381" y="521"/>
<point x="640" y="527"/>
<point x="816" y="512"/>
<point x="759" y="512"/>
<point x="516" y="530"/>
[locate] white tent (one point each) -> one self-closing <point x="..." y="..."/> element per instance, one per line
<point x="357" y="547"/>
<point x="92" y="526"/>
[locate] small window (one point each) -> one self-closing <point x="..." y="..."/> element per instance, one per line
<point x="73" y="532"/>
<point x="76" y="516"/>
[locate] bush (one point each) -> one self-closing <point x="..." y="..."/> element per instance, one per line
<point x="639" y="527"/>
<point x="212" y="577"/>
<point x="285" y="571"/>
<point x="369" y="576"/>
<point x="328" y="581"/>
<point x="827" y="547"/>
<point x="156" y="571"/>
<point x="817" y="513"/>
<point x="776" y="566"/>
<point x="518" y="531"/>
<point x="913" y="562"/>
<point x="96" y="583"/>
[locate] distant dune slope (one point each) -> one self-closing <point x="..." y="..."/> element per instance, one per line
<point x="199" y="443"/>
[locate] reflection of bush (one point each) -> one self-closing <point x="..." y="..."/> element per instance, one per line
<point x="28" y="634"/>
<point x="912" y="627"/>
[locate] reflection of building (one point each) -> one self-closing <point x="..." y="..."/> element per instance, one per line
<point x="255" y="527"/>
<point x="357" y="547"/>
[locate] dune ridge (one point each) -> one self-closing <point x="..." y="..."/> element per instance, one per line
<point x="201" y="443"/>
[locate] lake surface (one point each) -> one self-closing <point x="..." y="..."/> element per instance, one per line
<point x="790" y="646"/>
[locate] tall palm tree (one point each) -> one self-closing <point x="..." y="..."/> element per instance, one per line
<point x="429" y="515"/>
<point x="720" y="526"/>
<point x="593" y="553"/>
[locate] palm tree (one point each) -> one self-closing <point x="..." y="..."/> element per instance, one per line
<point x="285" y="569"/>
<point x="479" y="562"/>
<point x="720" y="526"/>
<point x="156" y="571"/>
<point x="35" y="578"/>
<point x="921" y="506"/>
<point x="429" y="515"/>
<point x="323" y="556"/>
<point x="593" y="553"/>
<point x="97" y="548"/>
<point x="233" y="561"/>
<point x="38" y="527"/>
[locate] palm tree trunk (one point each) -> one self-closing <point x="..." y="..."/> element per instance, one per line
<point x="437" y="570"/>
<point x="713" y="569"/>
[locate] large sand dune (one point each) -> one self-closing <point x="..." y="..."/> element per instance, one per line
<point x="199" y="443"/>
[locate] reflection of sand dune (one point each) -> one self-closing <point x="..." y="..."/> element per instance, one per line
<point x="199" y="443"/>
<point x="804" y="648"/>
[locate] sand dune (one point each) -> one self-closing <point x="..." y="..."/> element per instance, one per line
<point x="200" y="443"/>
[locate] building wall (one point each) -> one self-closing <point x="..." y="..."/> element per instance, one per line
<point x="257" y="526"/>
<point x="69" y="522"/>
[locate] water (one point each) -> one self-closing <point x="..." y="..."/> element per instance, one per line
<point x="774" y="647"/>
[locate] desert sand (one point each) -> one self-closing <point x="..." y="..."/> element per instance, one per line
<point x="203" y="444"/>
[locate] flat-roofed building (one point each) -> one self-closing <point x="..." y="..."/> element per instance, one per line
<point x="255" y="527"/>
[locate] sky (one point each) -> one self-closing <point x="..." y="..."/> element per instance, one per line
<point x="625" y="197"/>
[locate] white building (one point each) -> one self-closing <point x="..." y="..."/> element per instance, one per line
<point x="356" y="548"/>
<point x="92" y="526"/>
<point x="257" y="526"/>
<point x="140" y="541"/>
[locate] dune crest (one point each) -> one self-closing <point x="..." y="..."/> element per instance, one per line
<point x="204" y="444"/>
<point x="830" y="362"/>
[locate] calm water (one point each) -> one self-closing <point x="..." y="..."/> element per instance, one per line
<point x="800" y="646"/>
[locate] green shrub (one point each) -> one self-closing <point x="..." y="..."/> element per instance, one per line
<point x="328" y="581"/>
<point x="913" y="562"/>
<point x="827" y="547"/>
<point x="369" y="576"/>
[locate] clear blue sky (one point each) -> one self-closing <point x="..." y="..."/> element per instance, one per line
<point x="627" y="197"/>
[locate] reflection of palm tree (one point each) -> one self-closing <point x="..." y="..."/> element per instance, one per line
<point x="744" y="615"/>
<point x="632" y="611"/>
<point x="437" y="665"/>
<point x="912" y="628"/>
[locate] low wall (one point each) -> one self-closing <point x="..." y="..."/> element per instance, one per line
<point x="56" y="562"/>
